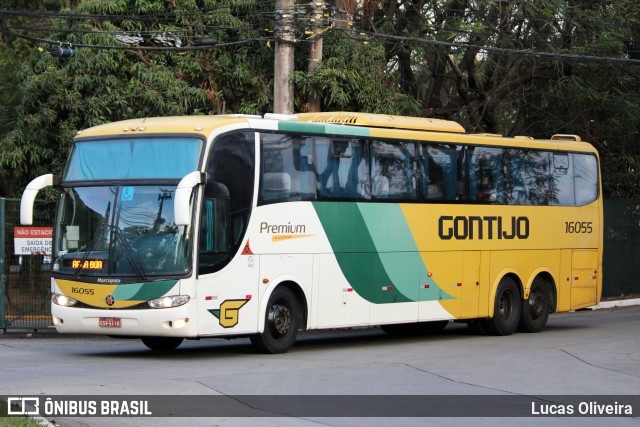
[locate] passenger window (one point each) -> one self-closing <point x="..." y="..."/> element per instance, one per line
<point x="392" y="170"/>
<point x="531" y="181"/>
<point x="287" y="171"/>
<point x="486" y="175"/>
<point x="342" y="169"/>
<point x="443" y="173"/>
<point x="562" y="173"/>
<point x="585" y="172"/>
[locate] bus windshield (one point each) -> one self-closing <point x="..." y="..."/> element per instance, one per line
<point x="120" y="230"/>
<point x="133" y="158"/>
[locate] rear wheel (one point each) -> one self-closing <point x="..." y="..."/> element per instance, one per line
<point x="162" y="343"/>
<point x="535" y="309"/>
<point x="282" y="321"/>
<point x="506" y="311"/>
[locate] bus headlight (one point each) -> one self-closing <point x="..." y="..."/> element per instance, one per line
<point x="169" y="301"/>
<point x="63" y="300"/>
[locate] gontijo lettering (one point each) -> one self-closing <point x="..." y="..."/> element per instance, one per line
<point x="485" y="227"/>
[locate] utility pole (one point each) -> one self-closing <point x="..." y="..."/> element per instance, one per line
<point x="315" y="53"/>
<point x="284" y="57"/>
<point x="344" y="9"/>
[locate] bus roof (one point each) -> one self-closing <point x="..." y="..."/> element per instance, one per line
<point x="155" y="125"/>
<point x="351" y="123"/>
<point x="382" y="121"/>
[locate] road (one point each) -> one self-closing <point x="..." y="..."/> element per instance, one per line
<point x="581" y="353"/>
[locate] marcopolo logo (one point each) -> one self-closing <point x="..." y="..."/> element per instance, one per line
<point x="483" y="227"/>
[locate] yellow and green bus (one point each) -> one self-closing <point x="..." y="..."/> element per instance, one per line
<point x="233" y="226"/>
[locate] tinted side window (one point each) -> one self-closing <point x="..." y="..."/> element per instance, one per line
<point x="530" y="181"/>
<point x="392" y="170"/>
<point x="286" y="168"/>
<point x="486" y="174"/>
<point x="342" y="168"/>
<point x="443" y="172"/>
<point x="231" y="163"/>
<point x="562" y="173"/>
<point x="585" y="173"/>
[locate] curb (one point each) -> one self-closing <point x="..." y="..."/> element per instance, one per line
<point x="616" y="303"/>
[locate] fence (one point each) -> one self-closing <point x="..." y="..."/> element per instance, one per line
<point x="25" y="280"/>
<point x="621" y="247"/>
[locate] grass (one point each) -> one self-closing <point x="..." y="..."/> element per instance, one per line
<point x="15" y="421"/>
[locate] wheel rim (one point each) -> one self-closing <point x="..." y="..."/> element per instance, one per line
<point x="505" y="307"/>
<point x="280" y="320"/>
<point x="536" y="304"/>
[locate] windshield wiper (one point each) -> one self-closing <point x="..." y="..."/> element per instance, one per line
<point x="93" y="242"/>
<point x="137" y="268"/>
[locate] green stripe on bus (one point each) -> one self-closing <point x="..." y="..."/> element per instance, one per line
<point x="304" y="127"/>
<point x="143" y="291"/>
<point x="356" y="253"/>
<point x="377" y="252"/>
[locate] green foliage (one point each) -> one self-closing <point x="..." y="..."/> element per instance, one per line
<point x="418" y="57"/>
<point x="354" y="77"/>
<point x="56" y="97"/>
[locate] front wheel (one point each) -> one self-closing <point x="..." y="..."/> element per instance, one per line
<point x="281" y="323"/>
<point x="506" y="310"/>
<point x="535" y="309"/>
<point x="162" y="343"/>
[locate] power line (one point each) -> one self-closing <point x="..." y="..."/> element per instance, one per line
<point x="355" y="33"/>
<point x="503" y="50"/>
<point x="147" y="48"/>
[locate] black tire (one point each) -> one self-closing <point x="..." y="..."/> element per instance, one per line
<point x="421" y="328"/>
<point x="162" y="343"/>
<point x="506" y="311"/>
<point x="281" y="323"/>
<point x="535" y="309"/>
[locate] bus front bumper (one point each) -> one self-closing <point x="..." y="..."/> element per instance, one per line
<point x="171" y="322"/>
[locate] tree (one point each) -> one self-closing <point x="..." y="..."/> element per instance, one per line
<point x="59" y="96"/>
<point x="498" y="66"/>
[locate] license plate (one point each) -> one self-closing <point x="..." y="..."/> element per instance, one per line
<point x="110" y="322"/>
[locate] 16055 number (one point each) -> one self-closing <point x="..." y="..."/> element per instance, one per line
<point x="578" y="227"/>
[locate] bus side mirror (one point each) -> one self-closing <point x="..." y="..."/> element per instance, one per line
<point x="181" y="205"/>
<point x="29" y="196"/>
